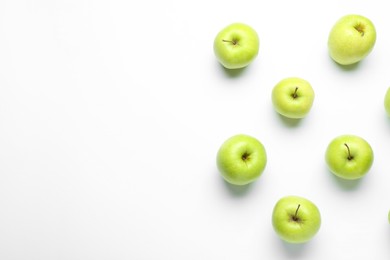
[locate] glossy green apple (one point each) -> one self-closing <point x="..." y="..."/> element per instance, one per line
<point x="351" y="39"/>
<point x="387" y="102"/>
<point x="236" y="46"/>
<point x="296" y="219"/>
<point x="241" y="159"/>
<point x="293" y="97"/>
<point x="349" y="157"/>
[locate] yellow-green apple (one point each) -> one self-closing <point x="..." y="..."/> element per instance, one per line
<point x="296" y="219"/>
<point x="293" y="97"/>
<point x="236" y="45"/>
<point x="387" y="102"/>
<point x="349" y="157"/>
<point x="351" y="39"/>
<point x="241" y="159"/>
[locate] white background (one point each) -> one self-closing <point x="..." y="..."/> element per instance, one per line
<point x="111" y="114"/>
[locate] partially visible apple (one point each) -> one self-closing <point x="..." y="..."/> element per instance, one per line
<point x="387" y="102"/>
<point x="236" y="46"/>
<point x="296" y="219"/>
<point x="388" y="216"/>
<point x="241" y="159"/>
<point x="349" y="157"/>
<point x="293" y="97"/>
<point x="351" y="39"/>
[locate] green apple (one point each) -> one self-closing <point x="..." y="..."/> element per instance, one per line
<point x="236" y="46"/>
<point x="293" y="97"/>
<point x="241" y="159"/>
<point x="351" y="39"/>
<point x="296" y="219"/>
<point x="387" y="102"/>
<point x="349" y="157"/>
<point x="388" y="216"/>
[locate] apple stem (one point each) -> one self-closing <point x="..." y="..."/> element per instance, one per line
<point x="295" y="95"/>
<point x="295" y="217"/>
<point x="350" y="157"/>
<point x="234" y="42"/>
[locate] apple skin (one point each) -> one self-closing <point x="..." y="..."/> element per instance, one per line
<point x="349" y="157"/>
<point x="296" y="226"/>
<point x="351" y="39"/>
<point x="387" y="102"/>
<point x="241" y="159"/>
<point x="293" y="97"/>
<point x="236" y="46"/>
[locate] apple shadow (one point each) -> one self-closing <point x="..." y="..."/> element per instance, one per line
<point x="294" y="250"/>
<point x="350" y="67"/>
<point x="237" y="190"/>
<point x="388" y="224"/>
<point x="346" y="185"/>
<point x="233" y="73"/>
<point x="289" y="122"/>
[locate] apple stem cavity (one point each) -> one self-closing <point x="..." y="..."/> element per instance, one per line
<point x="245" y="156"/>
<point x="350" y="157"/>
<point x="360" y="29"/>
<point x="295" y="94"/>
